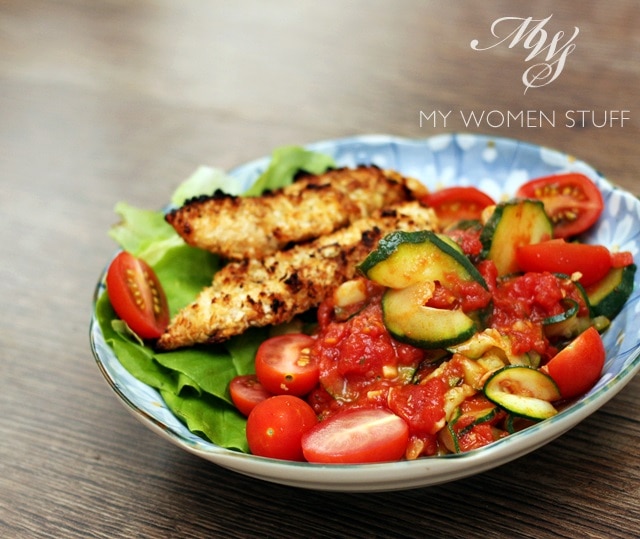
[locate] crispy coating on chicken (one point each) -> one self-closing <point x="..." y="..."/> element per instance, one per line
<point x="314" y="205"/>
<point x="273" y="290"/>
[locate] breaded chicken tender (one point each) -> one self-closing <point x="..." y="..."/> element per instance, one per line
<point x="314" y="205"/>
<point x="273" y="290"/>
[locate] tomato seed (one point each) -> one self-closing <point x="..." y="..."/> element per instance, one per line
<point x="304" y="358"/>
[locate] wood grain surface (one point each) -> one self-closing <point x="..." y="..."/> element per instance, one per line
<point x="109" y="100"/>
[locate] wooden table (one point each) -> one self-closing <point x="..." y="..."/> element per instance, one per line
<point x="109" y="100"/>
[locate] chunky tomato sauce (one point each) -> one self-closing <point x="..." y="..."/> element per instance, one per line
<point x="522" y="304"/>
<point x="441" y="394"/>
<point x="468" y="239"/>
<point x="466" y="295"/>
<point x="361" y="364"/>
<point x="358" y="357"/>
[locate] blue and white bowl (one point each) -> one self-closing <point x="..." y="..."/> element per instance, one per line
<point x="497" y="166"/>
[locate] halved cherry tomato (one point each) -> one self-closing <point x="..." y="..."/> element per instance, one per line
<point x="137" y="295"/>
<point x="357" y="436"/>
<point x="572" y="201"/>
<point x="576" y="368"/>
<point x="246" y="392"/>
<point x="559" y="256"/>
<point x="454" y="204"/>
<point x="276" y="425"/>
<point x="284" y="365"/>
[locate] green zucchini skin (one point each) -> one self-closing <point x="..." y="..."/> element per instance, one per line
<point x="483" y="416"/>
<point x="523" y="391"/>
<point x="424" y="327"/>
<point x="570" y="312"/>
<point x="405" y="258"/>
<point x="409" y="264"/>
<point x="513" y="224"/>
<point x="608" y="296"/>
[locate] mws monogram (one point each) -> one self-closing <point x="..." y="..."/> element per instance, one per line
<point x="532" y="35"/>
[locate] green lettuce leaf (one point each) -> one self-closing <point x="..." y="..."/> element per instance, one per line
<point x="144" y="233"/>
<point x="285" y="163"/>
<point x="243" y="349"/>
<point x="134" y="356"/>
<point x="211" y="369"/>
<point x="194" y="382"/>
<point x="205" y="181"/>
<point x="210" y="418"/>
<point x="183" y="272"/>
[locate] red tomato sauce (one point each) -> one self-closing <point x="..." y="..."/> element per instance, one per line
<point x="358" y="358"/>
<point x="468" y="239"/>
<point x="466" y="295"/>
<point x="521" y="304"/>
<point x="361" y="364"/>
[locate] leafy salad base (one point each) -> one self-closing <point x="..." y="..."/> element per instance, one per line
<point x="193" y="382"/>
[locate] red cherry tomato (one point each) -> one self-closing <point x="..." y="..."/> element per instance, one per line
<point x="621" y="259"/>
<point x="576" y="368"/>
<point x="559" y="256"/>
<point x="454" y="204"/>
<point x="137" y="296"/>
<point x="276" y="425"/>
<point x="572" y="201"/>
<point x="284" y="365"/>
<point x="357" y="436"/>
<point x="246" y="392"/>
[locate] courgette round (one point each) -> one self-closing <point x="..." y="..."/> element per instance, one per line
<point x="408" y="320"/>
<point x="566" y="325"/>
<point x="571" y="309"/>
<point x="608" y="296"/>
<point x="405" y="258"/>
<point x="523" y="391"/>
<point x="513" y="224"/>
<point x="479" y="417"/>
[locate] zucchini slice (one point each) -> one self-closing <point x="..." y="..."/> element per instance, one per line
<point x="567" y="324"/>
<point x="452" y="435"/>
<point x="409" y="320"/>
<point x="403" y="259"/>
<point x="513" y="224"/>
<point x="479" y="417"/>
<point x="523" y="391"/>
<point x="571" y="310"/>
<point x="608" y="296"/>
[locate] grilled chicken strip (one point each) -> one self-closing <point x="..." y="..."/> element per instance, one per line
<point x="314" y="205"/>
<point x="261" y="292"/>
